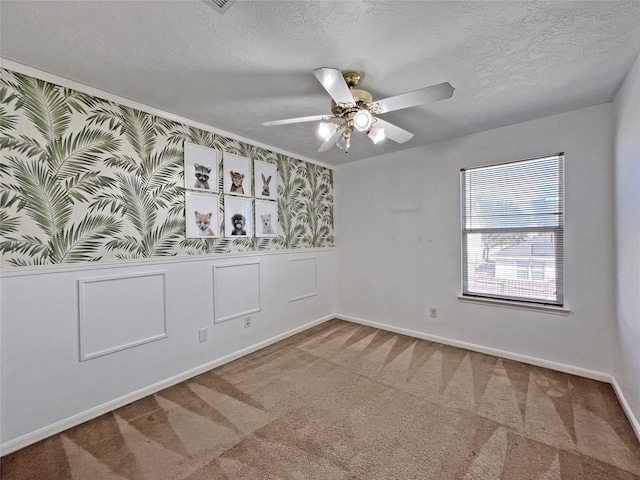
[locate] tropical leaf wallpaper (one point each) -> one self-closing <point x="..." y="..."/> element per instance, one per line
<point x="86" y="180"/>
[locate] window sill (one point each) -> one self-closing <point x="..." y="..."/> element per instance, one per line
<point x="517" y="305"/>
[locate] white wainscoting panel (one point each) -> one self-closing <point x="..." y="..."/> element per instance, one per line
<point x="46" y="389"/>
<point x="302" y="278"/>
<point x="236" y="290"/>
<point x="119" y="312"/>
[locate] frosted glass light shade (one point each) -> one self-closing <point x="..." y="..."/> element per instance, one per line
<point x="376" y="134"/>
<point x="343" y="142"/>
<point x="362" y="120"/>
<point x="327" y="129"/>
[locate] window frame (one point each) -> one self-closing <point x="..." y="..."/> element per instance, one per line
<point x="557" y="306"/>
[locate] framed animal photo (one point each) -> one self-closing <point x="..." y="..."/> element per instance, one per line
<point x="266" y="219"/>
<point x="200" y="167"/>
<point x="237" y="217"/>
<point x="237" y="175"/>
<point x="201" y="211"/>
<point x="265" y="180"/>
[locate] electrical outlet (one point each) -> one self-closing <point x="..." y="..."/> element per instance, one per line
<point x="247" y="322"/>
<point x="433" y="312"/>
<point x="202" y="335"/>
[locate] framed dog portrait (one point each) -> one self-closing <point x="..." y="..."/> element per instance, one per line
<point x="238" y="219"/>
<point x="266" y="219"/>
<point x="237" y="175"/>
<point x="200" y="168"/>
<point x="265" y="180"/>
<point x="201" y="212"/>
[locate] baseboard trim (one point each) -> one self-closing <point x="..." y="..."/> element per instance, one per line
<point x="58" y="427"/>
<point x="539" y="362"/>
<point x="635" y="423"/>
<point x="62" y="425"/>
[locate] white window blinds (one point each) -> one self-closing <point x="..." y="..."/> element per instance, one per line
<point x="512" y="230"/>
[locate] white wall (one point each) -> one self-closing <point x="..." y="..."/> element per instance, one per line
<point x="45" y="388"/>
<point x="397" y="223"/>
<point x="627" y="178"/>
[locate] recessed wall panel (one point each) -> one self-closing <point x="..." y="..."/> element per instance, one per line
<point x="236" y="290"/>
<point x="119" y="312"/>
<point x="302" y="278"/>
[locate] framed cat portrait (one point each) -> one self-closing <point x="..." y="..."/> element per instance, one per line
<point x="265" y="180"/>
<point x="200" y="167"/>
<point x="238" y="218"/>
<point x="201" y="215"/>
<point x="266" y="219"/>
<point x="237" y="175"/>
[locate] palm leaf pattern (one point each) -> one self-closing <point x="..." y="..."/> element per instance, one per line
<point x="75" y="153"/>
<point x="87" y="180"/>
<point x="7" y="120"/>
<point x="41" y="196"/>
<point x="291" y="184"/>
<point x="323" y="208"/>
<point x="48" y="175"/>
<point x="78" y="242"/>
<point x="148" y="194"/>
<point x="44" y="104"/>
<point x="78" y="101"/>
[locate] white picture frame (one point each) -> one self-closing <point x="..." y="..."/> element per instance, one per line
<point x="200" y="168"/>
<point x="199" y="209"/>
<point x="236" y="209"/>
<point x="266" y="219"/>
<point x="265" y="183"/>
<point x="238" y="166"/>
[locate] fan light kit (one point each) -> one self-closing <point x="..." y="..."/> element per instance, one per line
<point x="362" y="120"/>
<point x="354" y="109"/>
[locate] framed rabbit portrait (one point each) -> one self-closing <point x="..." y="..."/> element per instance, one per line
<point x="265" y="179"/>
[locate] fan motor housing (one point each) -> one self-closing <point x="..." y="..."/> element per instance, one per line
<point x="362" y="98"/>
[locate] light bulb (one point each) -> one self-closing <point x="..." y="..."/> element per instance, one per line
<point x="376" y="134"/>
<point x="362" y="120"/>
<point x="327" y="129"/>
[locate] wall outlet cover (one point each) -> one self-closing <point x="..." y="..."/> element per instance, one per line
<point x="202" y="335"/>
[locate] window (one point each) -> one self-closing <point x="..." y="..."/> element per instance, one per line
<point x="512" y="230"/>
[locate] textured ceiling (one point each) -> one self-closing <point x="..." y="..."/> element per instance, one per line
<point x="510" y="61"/>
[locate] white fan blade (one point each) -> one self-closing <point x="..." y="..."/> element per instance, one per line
<point x="393" y="132"/>
<point x="417" y="97"/>
<point x="287" y="121"/>
<point x="331" y="141"/>
<point x="333" y="82"/>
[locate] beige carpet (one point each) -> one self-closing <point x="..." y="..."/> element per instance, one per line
<point x="344" y="401"/>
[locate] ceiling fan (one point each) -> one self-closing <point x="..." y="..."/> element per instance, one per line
<point x="354" y="109"/>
